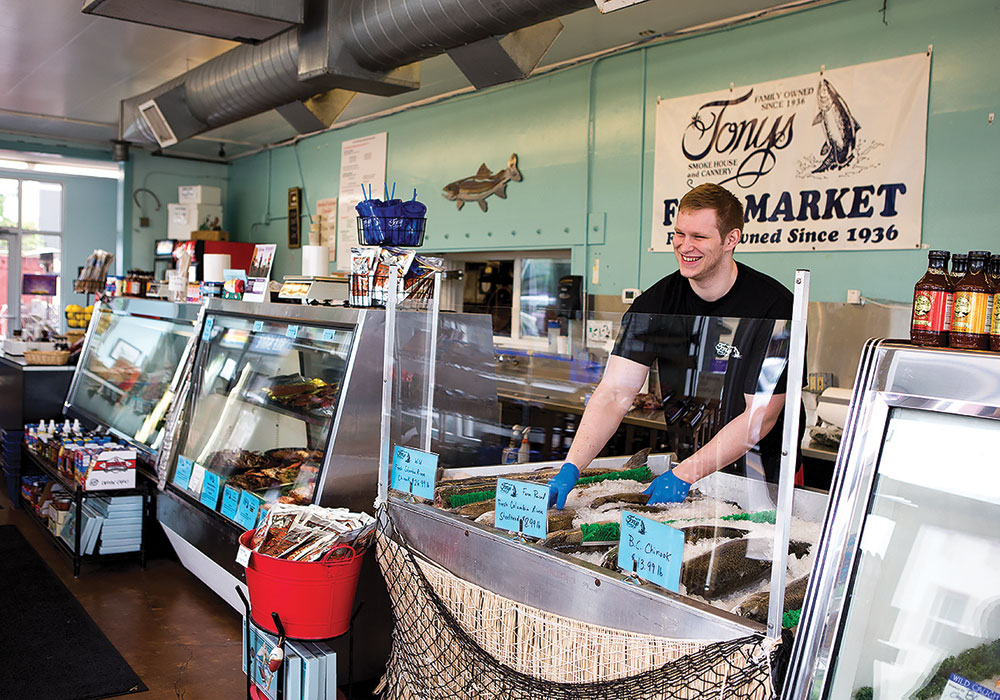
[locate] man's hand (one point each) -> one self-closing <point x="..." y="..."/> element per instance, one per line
<point x="667" y="488"/>
<point x="561" y="484"/>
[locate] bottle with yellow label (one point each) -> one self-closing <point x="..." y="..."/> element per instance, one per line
<point x="972" y="312"/>
<point x="993" y="276"/>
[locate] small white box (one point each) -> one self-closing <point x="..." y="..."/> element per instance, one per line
<point x="111" y="469"/>
<point x="199" y="194"/>
<point x="182" y="219"/>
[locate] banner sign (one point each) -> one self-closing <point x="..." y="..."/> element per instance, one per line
<point x="828" y="161"/>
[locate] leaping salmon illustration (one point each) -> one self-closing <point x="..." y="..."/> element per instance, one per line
<point x="481" y="185"/>
<point x="840" y="126"/>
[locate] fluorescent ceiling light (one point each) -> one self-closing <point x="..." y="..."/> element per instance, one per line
<point x="58" y="165"/>
<point x="112" y="173"/>
<point x="13" y="164"/>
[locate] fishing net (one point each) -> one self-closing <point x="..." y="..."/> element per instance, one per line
<point x="457" y="641"/>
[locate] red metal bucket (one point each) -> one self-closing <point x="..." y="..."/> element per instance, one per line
<point x="313" y="599"/>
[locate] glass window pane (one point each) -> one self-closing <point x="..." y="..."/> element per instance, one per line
<point x="41" y="260"/>
<point x="539" y="291"/>
<point x="4" y="276"/>
<point x="8" y="203"/>
<point x="42" y="206"/>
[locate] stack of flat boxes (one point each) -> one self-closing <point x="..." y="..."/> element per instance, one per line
<point x="198" y="207"/>
<point x="121" y="530"/>
<point x="309" y="669"/>
<point x="10" y="462"/>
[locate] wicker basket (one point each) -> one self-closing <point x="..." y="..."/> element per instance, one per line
<point x="74" y="335"/>
<point x="46" y="357"/>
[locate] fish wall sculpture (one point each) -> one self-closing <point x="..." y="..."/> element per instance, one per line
<point x="839" y="126"/>
<point x="483" y="184"/>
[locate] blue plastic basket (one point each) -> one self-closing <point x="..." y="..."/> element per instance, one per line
<point x="402" y="231"/>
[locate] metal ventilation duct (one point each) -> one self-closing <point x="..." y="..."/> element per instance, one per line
<point x="359" y="45"/>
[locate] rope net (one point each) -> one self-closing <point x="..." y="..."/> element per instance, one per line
<point x="457" y="641"/>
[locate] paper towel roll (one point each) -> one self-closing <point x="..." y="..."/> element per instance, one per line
<point x="315" y="261"/>
<point x="214" y="264"/>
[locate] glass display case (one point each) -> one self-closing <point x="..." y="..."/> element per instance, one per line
<point x="133" y="349"/>
<point x="906" y="603"/>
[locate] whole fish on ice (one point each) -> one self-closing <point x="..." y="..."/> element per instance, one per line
<point x="483" y="184"/>
<point x="839" y="125"/>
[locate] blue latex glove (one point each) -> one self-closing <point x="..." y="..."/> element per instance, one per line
<point x="561" y="484"/>
<point x="667" y="488"/>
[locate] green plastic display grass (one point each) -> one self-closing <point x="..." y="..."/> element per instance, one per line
<point x="601" y="532"/>
<point x="790" y="618"/>
<point x="463" y="499"/>
<point x="637" y="474"/>
<point x="764" y="516"/>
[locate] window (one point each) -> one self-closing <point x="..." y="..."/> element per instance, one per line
<point x="31" y="222"/>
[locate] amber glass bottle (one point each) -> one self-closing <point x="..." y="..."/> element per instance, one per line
<point x="930" y="317"/>
<point x="993" y="276"/>
<point x="959" y="266"/>
<point x="972" y="311"/>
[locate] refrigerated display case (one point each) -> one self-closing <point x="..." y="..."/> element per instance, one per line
<point x="132" y="352"/>
<point x="906" y="602"/>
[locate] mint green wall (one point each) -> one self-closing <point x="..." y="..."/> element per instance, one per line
<point x="162" y="176"/>
<point x="585" y="136"/>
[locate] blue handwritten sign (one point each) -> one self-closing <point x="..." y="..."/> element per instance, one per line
<point x="182" y="474"/>
<point x="651" y="550"/>
<point x="210" y="489"/>
<point x="413" y="472"/>
<point x="206" y="333"/>
<point x="258" y="326"/>
<point x="522" y="507"/>
<point x="328" y="335"/>
<point x="292" y="332"/>
<point x="230" y="502"/>
<point x="246" y="511"/>
<point x="967" y="690"/>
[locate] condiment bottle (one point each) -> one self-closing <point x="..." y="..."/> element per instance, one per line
<point x="930" y="316"/>
<point x="959" y="266"/>
<point x="993" y="275"/>
<point x="972" y="312"/>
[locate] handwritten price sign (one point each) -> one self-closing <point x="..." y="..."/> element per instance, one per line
<point x="651" y="550"/>
<point x="413" y="472"/>
<point x="522" y="507"/>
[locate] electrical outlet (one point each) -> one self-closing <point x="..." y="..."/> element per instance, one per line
<point x="853" y="296"/>
<point x="598" y="332"/>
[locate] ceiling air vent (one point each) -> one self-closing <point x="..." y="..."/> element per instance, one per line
<point x="162" y="132"/>
<point x="236" y="20"/>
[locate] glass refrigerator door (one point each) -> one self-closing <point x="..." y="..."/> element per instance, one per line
<point x="124" y="376"/>
<point x="923" y="617"/>
<point x="260" y="413"/>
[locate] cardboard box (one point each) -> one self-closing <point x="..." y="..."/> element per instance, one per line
<point x="209" y="236"/>
<point x="199" y="194"/>
<point x="109" y="469"/>
<point x="182" y="219"/>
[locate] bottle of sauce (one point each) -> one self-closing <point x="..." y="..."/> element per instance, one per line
<point x="972" y="311"/>
<point x="930" y="317"/>
<point x="994" y="277"/>
<point x="959" y="266"/>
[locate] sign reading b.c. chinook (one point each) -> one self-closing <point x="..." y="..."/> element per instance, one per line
<point x="833" y="161"/>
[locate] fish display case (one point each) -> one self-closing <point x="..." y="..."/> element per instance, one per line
<point x="132" y="354"/>
<point x="742" y="542"/>
<point x="905" y="603"/>
<point x="283" y="404"/>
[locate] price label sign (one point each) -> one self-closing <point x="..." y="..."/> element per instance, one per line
<point x="958" y="687"/>
<point x="182" y="474"/>
<point x="413" y="472"/>
<point x="651" y="550"/>
<point x="197" y="478"/>
<point x="522" y="507"/>
<point x="243" y="556"/>
<point x="206" y="333"/>
<point x="246" y="511"/>
<point x="210" y="489"/>
<point x="230" y="502"/>
<point x="258" y="326"/>
<point x="292" y="332"/>
<point x="328" y="335"/>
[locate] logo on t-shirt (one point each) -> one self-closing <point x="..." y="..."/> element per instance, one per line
<point x="725" y="350"/>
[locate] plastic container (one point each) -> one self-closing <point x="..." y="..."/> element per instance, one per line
<point x="313" y="599"/>
<point x="404" y="231"/>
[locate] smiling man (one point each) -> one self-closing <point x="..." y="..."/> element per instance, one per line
<point x="708" y="282"/>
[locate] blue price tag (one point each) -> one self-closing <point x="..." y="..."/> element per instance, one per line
<point x="413" y="472"/>
<point x="206" y="333"/>
<point x="210" y="489"/>
<point x="182" y="474"/>
<point x="651" y="550"/>
<point x="522" y="507"/>
<point x="959" y="687"/>
<point x="328" y="335"/>
<point x="230" y="502"/>
<point x="246" y="511"/>
<point x="292" y="332"/>
<point x="258" y="326"/>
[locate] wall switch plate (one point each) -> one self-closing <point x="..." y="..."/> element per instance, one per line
<point x="853" y="296"/>
<point x="598" y="332"/>
<point x="629" y="295"/>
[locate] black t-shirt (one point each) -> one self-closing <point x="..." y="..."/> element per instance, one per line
<point x="666" y="319"/>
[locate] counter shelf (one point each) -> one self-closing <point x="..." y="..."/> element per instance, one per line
<point x="75" y="552"/>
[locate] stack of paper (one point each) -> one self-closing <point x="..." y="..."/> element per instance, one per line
<point x="122" y="526"/>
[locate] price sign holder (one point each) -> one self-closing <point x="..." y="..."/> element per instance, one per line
<point x="651" y="550"/>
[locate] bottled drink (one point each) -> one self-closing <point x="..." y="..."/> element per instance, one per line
<point x="959" y="266"/>
<point x="673" y="414"/>
<point x="930" y="317"/>
<point x="972" y="312"/>
<point x="994" y="277"/>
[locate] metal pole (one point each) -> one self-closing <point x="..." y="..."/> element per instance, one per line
<point x="789" y="452"/>
<point x="387" y="369"/>
<point x="428" y="422"/>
